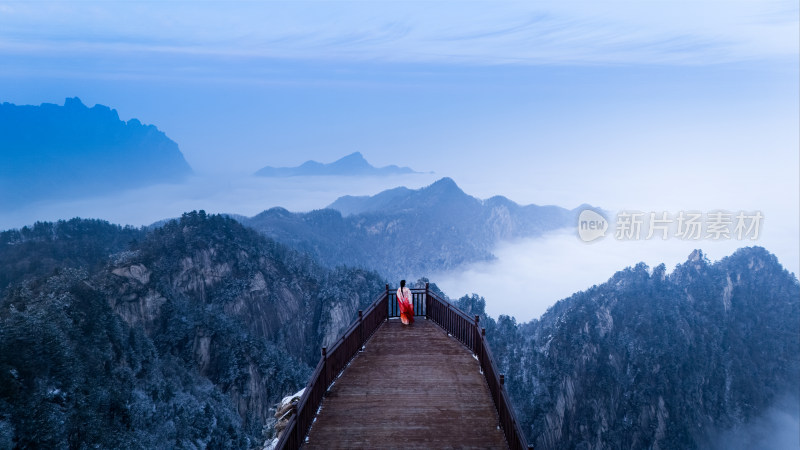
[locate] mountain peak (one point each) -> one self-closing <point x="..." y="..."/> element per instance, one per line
<point x="444" y="187"/>
<point x="445" y="183"/>
<point x="444" y="193"/>
<point x="74" y="102"/>
<point x="354" y="157"/>
<point x="353" y="161"/>
<point x="696" y="255"/>
<point x="353" y="164"/>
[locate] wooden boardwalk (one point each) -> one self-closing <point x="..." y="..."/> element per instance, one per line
<point x="412" y="387"/>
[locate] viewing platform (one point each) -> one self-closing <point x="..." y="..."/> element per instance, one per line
<point x="411" y="387"/>
<point x="429" y="385"/>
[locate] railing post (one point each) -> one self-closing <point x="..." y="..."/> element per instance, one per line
<point x="360" y="330"/>
<point x="387" y="301"/>
<point x="483" y="339"/>
<point x="325" y="366"/>
<point x="427" y="302"/>
<point x="448" y="321"/>
<point x="476" y="345"/>
<point x="502" y="379"/>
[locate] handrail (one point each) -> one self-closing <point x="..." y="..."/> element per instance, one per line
<point x="469" y="333"/>
<point x="417" y="300"/>
<point x="330" y="366"/>
<point x="447" y="316"/>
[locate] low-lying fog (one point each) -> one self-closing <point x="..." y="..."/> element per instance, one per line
<point x="245" y="195"/>
<point x="527" y="277"/>
<point x="530" y="275"/>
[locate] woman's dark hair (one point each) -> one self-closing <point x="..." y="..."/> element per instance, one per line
<point x="402" y="283"/>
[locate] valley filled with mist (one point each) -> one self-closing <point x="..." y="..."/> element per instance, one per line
<point x="152" y="312"/>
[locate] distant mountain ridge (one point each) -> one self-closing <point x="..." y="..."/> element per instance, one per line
<point x="443" y="193"/>
<point x="61" y="152"/>
<point x="407" y="233"/>
<point x="353" y="164"/>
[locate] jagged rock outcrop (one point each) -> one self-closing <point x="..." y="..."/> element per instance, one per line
<point x="285" y="410"/>
<point x="53" y="152"/>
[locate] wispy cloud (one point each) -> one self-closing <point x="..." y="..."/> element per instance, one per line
<point x="414" y="32"/>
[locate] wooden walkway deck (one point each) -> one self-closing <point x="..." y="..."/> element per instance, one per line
<point x="412" y="387"/>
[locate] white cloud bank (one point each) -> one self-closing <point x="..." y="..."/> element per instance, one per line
<point x="245" y="195"/>
<point x="531" y="275"/>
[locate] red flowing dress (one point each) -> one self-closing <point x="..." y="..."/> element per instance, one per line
<point x="405" y="305"/>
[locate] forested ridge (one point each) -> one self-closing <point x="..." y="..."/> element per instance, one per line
<point x="184" y="336"/>
<point x="187" y="333"/>
<point x="654" y="360"/>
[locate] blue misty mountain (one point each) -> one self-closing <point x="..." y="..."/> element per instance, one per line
<point x="402" y="232"/>
<point x="444" y="197"/>
<point x="53" y="152"/>
<point x="443" y="193"/>
<point x="351" y="165"/>
<point x="656" y="360"/>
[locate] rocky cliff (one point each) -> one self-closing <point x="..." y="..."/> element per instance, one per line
<point x="230" y="320"/>
<point x="655" y="360"/>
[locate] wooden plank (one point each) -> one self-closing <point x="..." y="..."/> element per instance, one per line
<point x="412" y="387"/>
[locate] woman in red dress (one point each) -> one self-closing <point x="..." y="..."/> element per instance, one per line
<point x="404" y="302"/>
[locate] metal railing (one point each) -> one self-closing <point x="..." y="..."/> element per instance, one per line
<point x="442" y="313"/>
<point x="330" y="365"/>
<point x="469" y="333"/>
<point x="417" y="300"/>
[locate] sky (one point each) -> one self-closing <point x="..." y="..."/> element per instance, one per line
<point x="646" y="105"/>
